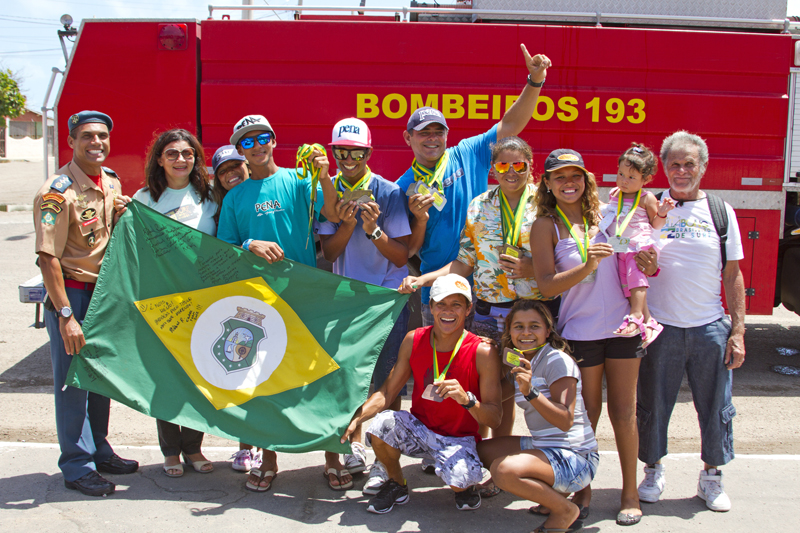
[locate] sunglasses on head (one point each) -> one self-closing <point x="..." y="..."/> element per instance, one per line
<point x="172" y="154"/>
<point x="356" y="154"/>
<point x="249" y="142"/>
<point x="518" y="166"/>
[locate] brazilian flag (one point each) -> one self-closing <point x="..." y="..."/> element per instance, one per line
<point x="187" y="328"/>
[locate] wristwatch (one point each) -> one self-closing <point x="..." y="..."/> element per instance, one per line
<point x="532" y="395"/>
<point x="375" y="235"/>
<point x="472" y="401"/>
<point x="65" y="312"/>
<point x="533" y="83"/>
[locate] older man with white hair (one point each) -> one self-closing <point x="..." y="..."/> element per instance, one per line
<point x="700" y="252"/>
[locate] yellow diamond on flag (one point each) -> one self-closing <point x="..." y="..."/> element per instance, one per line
<point x="237" y="341"/>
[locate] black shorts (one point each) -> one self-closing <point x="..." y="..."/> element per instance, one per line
<point x="593" y="353"/>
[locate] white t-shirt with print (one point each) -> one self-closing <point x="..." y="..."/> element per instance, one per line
<point x="184" y="206"/>
<point x="688" y="291"/>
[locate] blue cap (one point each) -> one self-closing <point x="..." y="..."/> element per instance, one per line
<point x="85" y="117"/>
<point x="225" y="153"/>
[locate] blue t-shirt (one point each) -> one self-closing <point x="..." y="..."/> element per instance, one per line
<point x="361" y="259"/>
<point x="465" y="177"/>
<point x="273" y="209"/>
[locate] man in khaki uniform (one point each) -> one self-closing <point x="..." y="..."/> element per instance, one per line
<point x="73" y="215"/>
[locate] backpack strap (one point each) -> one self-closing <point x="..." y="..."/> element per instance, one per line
<point x="719" y="215"/>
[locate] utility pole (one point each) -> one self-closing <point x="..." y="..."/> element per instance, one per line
<point x="247" y="14"/>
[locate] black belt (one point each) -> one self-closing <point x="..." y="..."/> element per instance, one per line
<point x="482" y="307"/>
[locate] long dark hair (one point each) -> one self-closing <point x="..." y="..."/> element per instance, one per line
<point x="554" y="339"/>
<point x="156" y="177"/>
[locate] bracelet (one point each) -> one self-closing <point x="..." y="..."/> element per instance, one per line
<point x="659" y="216"/>
<point x="246" y="244"/>
<point x="533" y="83"/>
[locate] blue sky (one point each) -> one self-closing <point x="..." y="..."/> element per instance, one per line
<point x="29" y="45"/>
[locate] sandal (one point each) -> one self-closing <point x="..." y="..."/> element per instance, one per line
<point x="576" y="526"/>
<point x="257" y="487"/>
<point x="656" y="329"/>
<point x="625" y="323"/>
<point x="490" y="490"/>
<point x="537" y="510"/>
<point x="199" y="466"/>
<point x="339" y="475"/>
<point x="178" y="466"/>
<point x="628" y="519"/>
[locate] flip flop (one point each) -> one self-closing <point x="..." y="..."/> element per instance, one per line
<point x="625" y="323"/>
<point x="657" y="329"/>
<point x="536" y="509"/>
<point x="576" y="526"/>
<point x="198" y="465"/>
<point x="339" y="475"/>
<point x="261" y="475"/>
<point x="167" y="468"/>
<point x="490" y="490"/>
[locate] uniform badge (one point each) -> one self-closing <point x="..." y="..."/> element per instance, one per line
<point x="81" y="201"/>
<point x="235" y="349"/>
<point x="51" y="206"/>
<point x="61" y="183"/>
<point x="74" y="118"/>
<point x="88" y="214"/>
<point x="90" y="239"/>
<point x="53" y="196"/>
<point x="49" y="218"/>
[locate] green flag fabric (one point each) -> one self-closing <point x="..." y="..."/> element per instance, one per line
<point x="187" y="328"/>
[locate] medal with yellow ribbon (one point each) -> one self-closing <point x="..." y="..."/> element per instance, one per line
<point x="627" y="219"/>
<point x="432" y="178"/>
<point x="582" y="246"/>
<point x="305" y="167"/>
<point x="511" y="220"/>
<point x="440" y="377"/>
<point x="342" y="184"/>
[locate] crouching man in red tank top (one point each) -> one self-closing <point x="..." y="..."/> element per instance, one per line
<point x="454" y="391"/>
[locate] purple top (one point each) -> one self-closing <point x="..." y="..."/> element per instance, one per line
<point x="589" y="311"/>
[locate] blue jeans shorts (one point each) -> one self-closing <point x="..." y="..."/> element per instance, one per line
<point x="572" y="470"/>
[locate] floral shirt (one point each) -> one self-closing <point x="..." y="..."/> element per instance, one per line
<point x="480" y="246"/>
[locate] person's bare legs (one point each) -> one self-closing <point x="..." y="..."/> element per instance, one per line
<point x="269" y="461"/>
<point x="592" y="392"/>
<point x="621" y="378"/>
<point x="390" y="458"/>
<point x="332" y="461"/>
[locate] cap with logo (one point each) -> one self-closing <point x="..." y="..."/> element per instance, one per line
<point x="86" y="117"/>
<point x="248" y="124"/>
<point x="445" y="286"/>
<point x="351" y="132"/>
<point x="564" y="157"/>
<point x="424" y="116"/>
<point x="225" y="153"/>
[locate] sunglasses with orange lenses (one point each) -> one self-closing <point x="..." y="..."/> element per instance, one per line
<point x="519" y="167"/>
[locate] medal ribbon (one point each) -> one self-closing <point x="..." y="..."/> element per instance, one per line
<point x="626" y="221"/>
<point x="361" y="185"/>
<point x="436" y="363"/>
<point x="304" y="167"/>
<point x="431" y="178"/>
<point x="582" y="246"/>
<point x="512" y="220"/>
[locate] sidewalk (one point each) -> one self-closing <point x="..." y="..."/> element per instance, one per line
<point x="19" y="181"/>
<point x="300" y="501"/>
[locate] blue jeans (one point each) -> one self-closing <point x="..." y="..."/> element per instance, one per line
<point x="388" y="355"/>
<point x="81" y="417"/>
<point x="572" y="471"/>
<point x="700" y="353"/>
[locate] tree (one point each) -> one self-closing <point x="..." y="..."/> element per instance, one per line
<point x="12" y="101"/>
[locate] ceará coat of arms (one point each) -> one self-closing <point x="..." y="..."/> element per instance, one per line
<point x="236" y="348"/>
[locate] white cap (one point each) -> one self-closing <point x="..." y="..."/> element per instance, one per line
<point x="351" y="132"/>
<point x="449" y="284"/>
<point x="248" y="124"/>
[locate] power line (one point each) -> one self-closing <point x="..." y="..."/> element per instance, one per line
<point x="30" y="51"/>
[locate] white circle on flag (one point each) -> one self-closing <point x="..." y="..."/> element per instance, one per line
<point x="225" y="318"/>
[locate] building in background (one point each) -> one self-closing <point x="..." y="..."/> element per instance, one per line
<point x="22" y="137"/>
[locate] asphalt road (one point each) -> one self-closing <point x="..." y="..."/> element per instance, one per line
<point x="767" y="429"/>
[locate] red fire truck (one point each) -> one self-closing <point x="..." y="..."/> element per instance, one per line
<point x="617" y="77"/>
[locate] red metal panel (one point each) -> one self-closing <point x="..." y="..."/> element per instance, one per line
<point x="118" y="69"/>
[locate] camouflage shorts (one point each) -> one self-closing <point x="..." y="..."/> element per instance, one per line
<point x="455" y="458"/>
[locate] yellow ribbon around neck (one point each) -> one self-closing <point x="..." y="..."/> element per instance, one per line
<point x="512" y="221"/>
<point x="305" y="167"/>
<point x="342" y="184"/>
<point x="432" y="178"/>
<point x="440" y="377"/>
<point x="627" y="219"/>
<point x="582" y="246"/>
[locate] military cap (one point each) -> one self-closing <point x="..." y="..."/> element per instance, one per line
<point x="85" y="117"/>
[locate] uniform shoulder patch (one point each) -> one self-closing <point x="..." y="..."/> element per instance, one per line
<point x="48" y="218"/>
<point x="53" y="197"/>
<point x="61" y="183"/>
<point x="110" y="172"/>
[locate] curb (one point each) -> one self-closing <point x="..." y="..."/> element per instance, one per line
<point x="15" y="207"/>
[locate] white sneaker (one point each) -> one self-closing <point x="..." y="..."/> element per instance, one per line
<point x="652" y="485"/>
<point x="710" y="489"/>
<point x="377" y="477"/>
<point x="356" y="462"/>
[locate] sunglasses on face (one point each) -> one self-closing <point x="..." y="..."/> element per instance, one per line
<point x="249" y="142"/>
<point x="357" y="154"/>
<point x="172" y="154"/>
<point x="519" y="167"/>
